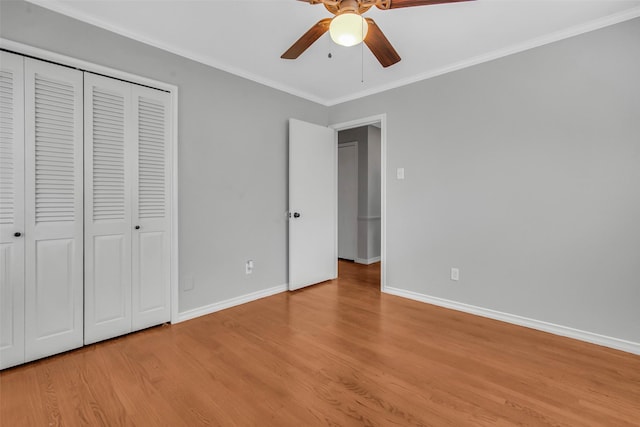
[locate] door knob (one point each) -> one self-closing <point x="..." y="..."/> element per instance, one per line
<point x="296" y="215"/>
<point x="17" y="234"/>
<point x="137" y="227"/>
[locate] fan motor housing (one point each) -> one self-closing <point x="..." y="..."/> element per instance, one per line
<point x="348" y="6"/>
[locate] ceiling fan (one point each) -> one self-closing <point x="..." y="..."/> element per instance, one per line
<point x="349" y="28"/>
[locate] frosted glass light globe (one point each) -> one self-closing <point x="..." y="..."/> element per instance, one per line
<point x="348" y="29"/>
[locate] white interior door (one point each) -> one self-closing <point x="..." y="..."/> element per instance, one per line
<point x="312" y="204"/>
<point x="109" y="134"/>
<point x="151" y="300"/>
<point x="11" y="210"/>
<point x="53" y="207"/>
<point x="348" y="200"/>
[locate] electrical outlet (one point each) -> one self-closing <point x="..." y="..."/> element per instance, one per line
<point x="248" y="268"/>
<point x="455" y="274"/>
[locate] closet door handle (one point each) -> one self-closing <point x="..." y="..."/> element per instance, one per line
<point x="17" y="234"/>
<point x="137" y="227"/>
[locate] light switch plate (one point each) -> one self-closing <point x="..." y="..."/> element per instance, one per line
<point x="400" y="173"/>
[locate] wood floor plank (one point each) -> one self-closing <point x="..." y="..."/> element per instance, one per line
<point x="335" y="354"/>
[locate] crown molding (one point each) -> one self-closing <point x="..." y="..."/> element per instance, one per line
<point x="500" y="53"/>
<point x="62" y="8"/>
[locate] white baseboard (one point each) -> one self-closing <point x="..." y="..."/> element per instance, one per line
<point x="367" y="261"/>
<point x="565" y="331"/>
<point x="232" y="302"/>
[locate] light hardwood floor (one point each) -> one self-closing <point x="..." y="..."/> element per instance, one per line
<point x="338" y="353"/>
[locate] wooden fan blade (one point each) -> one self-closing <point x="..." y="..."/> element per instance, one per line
<point x="379" y="45"/>
<point x="307" y="39"/>
<point x="395" y="4"/>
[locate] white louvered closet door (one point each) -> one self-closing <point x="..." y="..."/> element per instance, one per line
<point x="109" y="150"/>
<point x="11" y="210"/>
<point x="151" y="209"/>
<point x="53" y="206"/>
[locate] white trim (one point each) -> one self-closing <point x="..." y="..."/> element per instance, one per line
<point x="382" y="119"/>
<point x="565" y="331"/>
<point x="231" y="302"/>
<point x="496" y="54"/>
<point x="367" y="261"/>
<point x="596" y="24"/>
<point x="347" y="144"/>
<point x="336" y="250"/>
<point x="175" y="292"/>
<point x="35" y="52"/>
<point x="68" y="10"/>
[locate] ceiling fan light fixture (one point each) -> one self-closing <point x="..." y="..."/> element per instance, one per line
<point x="348" y="29"/>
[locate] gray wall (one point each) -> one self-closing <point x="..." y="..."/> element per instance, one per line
<point x="232" y="153"/>
<point x="524" y="172"/>
<point x="369" y="162"/>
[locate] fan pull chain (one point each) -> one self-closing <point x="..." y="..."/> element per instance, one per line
<point x="362" y="62"/>
<point x="362" y="53"/>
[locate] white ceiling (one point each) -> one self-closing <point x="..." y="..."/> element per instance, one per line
<point x="247" y="37"/>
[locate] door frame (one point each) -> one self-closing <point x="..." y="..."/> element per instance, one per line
<point x="344" y="145"/>
<point x="370" y="120"/>
<point x="37" y="53"/>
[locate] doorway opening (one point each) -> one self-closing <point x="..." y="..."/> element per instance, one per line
<point x="361" y="199"/>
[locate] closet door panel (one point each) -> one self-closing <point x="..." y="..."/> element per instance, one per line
<point x="151" y="209"/>
<point x="109" y="149"/>
<point x="54" y="293"/>
<point x="11" y="210"/>
<point x="151" y="271"/>
<point x="53" y="209"/>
